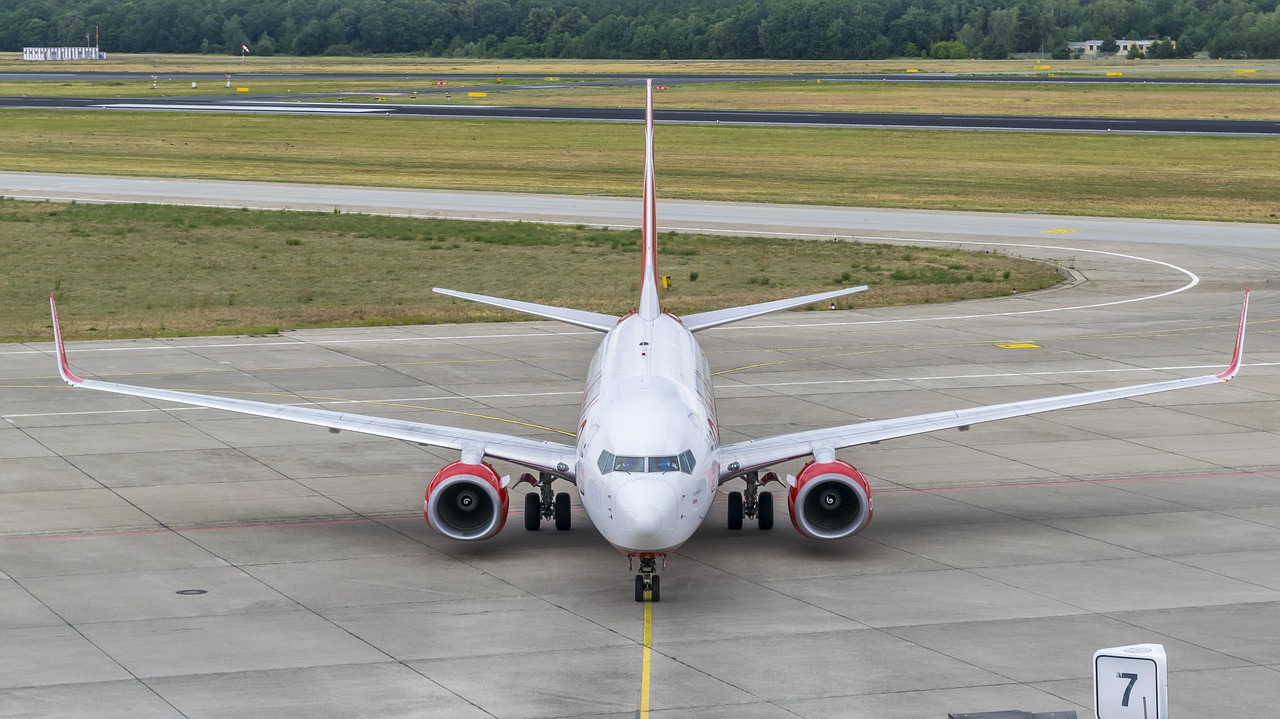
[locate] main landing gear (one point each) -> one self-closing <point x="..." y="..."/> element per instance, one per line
<point x="647" y="581"/>
<point x="752" y="503"/>
<point x="545" y="504"/>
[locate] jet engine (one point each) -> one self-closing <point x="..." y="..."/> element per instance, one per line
<point x="467" y="501"/>
<point x="829" y="500"/>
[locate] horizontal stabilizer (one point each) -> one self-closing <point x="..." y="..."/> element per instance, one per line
<point x="715" y="318"/>
<point x="590" y="320"/>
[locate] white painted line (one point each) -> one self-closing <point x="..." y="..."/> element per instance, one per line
<point x="718" y="388"/>
<point x="473" y="397"/>
<point x="991" y="375"/>
<point x="291" y="343"/>
<point x="313" y="109"/>
<point x="1192" y="281"/>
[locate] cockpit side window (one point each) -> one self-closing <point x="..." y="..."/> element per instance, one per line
<point x="606" y="462"/>
<point x="686" y="461"/>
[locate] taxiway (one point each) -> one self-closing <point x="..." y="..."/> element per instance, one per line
<point x="999" y="559"/>
<point x="429" y="109"/>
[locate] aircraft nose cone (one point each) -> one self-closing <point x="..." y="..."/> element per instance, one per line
<point x="648" y="505"/>
<point x="646" y="521"/>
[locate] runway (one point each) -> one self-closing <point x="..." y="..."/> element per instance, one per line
<point x="1138" y="76"/>
<point x="999" y="559"/>
<point x="688" y="215"/>
<point x="428" y="109"/>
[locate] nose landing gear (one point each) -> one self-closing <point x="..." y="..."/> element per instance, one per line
<point x="647" y="581"/>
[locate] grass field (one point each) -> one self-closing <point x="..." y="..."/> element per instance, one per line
<point x="145" y="270"/>
<point x="1215" y="178"/>
<point x="12" y="62"/>
<point x="257" y="87"/>
<point x="967" y="98"/>
<point x="1129" y="100"/>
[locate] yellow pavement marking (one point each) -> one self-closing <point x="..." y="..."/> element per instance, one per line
<point x="869" y="349"/>
<point x="645" y="663"/>
<point x="1061" y="231"/>
<point x="1019" y="346"/>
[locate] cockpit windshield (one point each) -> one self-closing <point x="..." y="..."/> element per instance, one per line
<point x="664" y="464"/>
<point x="628" y="464"/>
<point x="610" y="462"/>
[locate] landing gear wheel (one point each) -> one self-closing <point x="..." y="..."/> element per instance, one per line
<point x="764" y="510"/>
<point x="563" y="518"/>
<point x="647" y="588"/>
<point x="647" y="579"/>
<point x="532" y="511"/>
<point x="735" y="510"/>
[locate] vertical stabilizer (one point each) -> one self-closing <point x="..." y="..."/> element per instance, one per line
<point x="649" y="307"/>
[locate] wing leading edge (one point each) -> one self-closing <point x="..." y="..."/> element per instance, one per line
<point x="549" y="457"/>
<point x="755" y="454"/>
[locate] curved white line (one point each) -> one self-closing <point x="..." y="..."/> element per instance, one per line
<point x="1193" y="280"/>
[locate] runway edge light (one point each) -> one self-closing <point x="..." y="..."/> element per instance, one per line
<point x="1131" y="682"/>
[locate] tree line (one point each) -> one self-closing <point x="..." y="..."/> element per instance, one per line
<point x="648" y="29"/>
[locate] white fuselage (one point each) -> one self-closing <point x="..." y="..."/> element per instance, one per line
<point x="647" y="440"/>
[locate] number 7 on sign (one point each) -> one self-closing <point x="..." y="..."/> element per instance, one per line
<point x="1133" y="679"/>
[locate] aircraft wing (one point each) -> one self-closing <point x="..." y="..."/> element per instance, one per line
<point x="755" y="454"/>
<point x="552" y="457"/>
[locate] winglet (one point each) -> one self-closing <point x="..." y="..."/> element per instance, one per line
<point x="63" y="369"/>
<point x="1239" y="353"/>
<point x="649" y="308"/>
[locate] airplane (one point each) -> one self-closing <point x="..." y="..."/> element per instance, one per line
<point x="648" y="461"/>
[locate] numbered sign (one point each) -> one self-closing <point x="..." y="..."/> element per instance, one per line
<point x="1131" y="682"/>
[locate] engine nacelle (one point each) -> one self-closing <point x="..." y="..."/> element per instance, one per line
<point x="466" y="501"/>
<point x="829" y="500"/>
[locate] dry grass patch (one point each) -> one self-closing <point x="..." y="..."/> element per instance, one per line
<point x="1211" y="178"/>
<point x="390" y="89"/>
<point x="147" y="270"/>
<point x="953" y="98"/>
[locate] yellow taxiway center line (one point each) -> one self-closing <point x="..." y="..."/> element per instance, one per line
<point x="645" y="663"/>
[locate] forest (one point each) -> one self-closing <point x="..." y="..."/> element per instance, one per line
<point x="647" y="29"/>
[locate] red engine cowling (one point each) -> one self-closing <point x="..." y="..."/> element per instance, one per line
<point x="466" y="501"/>
<point x="829" y="500"/>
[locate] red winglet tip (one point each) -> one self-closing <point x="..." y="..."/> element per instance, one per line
<point x="63" y="368"/>
<point x="1238" y="356"/>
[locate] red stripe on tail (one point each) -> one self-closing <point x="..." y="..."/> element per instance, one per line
<point x="649" y="307"/>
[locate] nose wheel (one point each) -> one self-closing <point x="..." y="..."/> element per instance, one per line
<point x="647" y="582"/>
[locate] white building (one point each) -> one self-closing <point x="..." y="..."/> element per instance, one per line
<point x="42" y="54"/>
<point x="1090" y="48"/>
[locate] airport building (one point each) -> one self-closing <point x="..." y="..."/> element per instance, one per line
<point x="43" y="54"/>
<point x="1092" y="48"/>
